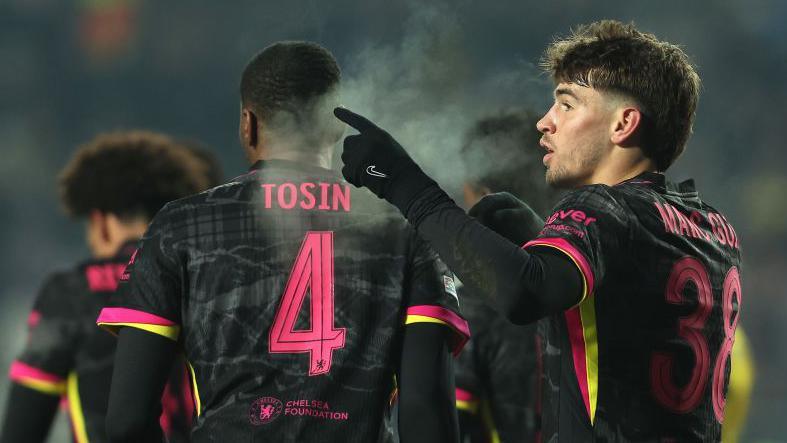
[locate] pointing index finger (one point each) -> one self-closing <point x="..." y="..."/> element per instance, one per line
<point x="357" y="121"/>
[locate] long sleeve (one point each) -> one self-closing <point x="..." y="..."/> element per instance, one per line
<point x="427" y="411"/>
<point x="524" y="284"/>
<point x="143" y="362"/>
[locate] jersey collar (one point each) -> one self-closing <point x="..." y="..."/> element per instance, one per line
<point x="651" y="179"/>
<point x="658" y="181"/>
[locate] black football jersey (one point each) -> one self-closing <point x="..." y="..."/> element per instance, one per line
<point x="645" y="355"/>
<point x="67" y="355"/>
<point x="496" y="377"/>
<point x="289" y="291"/>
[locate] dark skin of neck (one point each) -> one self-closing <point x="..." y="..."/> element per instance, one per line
<point x="259" y="144"/>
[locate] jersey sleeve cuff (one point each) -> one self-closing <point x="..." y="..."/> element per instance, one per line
<point x="440" y="315"/>
<point x="575" y="255"/>
<point x="112" y="319"/>
<point x="37" y="379"/>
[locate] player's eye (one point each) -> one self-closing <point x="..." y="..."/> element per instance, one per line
<point x="565" y="106"/>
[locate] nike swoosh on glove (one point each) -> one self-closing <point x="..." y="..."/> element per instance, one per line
<point x="375" y="160"/>
<point x="508" y="216"/>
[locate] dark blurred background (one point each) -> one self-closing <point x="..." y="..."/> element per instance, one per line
<point x="73" y="68"/>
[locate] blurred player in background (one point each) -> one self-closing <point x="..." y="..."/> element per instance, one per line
<point x="117" y="182"/>
<point x="496" y="375"/>
<point x="742" y="376"/>
<point x="211" y="167"/>
<point x="639" y="277"/>
<point x="288" y="291"/>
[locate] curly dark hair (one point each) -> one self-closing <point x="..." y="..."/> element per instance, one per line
<point x="611" y="56"/>
<point x="129" y="174"/>
<point x="502" y="154"/>
<point x="293" y="87"/>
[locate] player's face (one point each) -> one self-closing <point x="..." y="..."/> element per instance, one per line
<point x="575" y="134"/>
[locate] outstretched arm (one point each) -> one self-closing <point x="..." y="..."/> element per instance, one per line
<point x="427" y="411"/>
<point x="142" y="364"/>
<point x="524" y="285"/>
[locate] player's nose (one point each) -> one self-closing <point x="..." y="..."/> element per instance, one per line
<point x="546" y="125"/>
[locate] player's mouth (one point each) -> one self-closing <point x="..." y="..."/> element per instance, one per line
<point x="550" y="151"/>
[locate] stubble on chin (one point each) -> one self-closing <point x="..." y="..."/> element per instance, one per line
<point x="557" y="177"/>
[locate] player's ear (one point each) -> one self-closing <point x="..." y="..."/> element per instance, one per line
<point x="625" y="126"/>
<point x="249" y="128"/>
<point x="97" y="232"/>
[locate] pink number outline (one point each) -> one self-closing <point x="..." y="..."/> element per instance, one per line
<point x="313" y="269"/>
<point x="686" y="398"/>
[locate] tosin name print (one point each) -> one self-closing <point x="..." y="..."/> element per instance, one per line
<point x="307" y="195"/>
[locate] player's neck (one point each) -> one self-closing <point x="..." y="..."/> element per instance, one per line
<point x="319" y="157"/>
<point x="621" y="166"/>
<point x="116" y="235"/>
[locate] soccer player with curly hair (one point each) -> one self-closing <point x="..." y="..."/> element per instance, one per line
<point x="115" y="183"/>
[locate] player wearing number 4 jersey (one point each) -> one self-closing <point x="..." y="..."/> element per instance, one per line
<point x="638" y="279"/>
<point x="289" y="290"/>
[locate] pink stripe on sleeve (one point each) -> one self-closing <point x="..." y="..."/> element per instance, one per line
<point x="457" y="323"/>
<point x="126" y="315"/>
<point x="571" y="250"/>
<point x="462" y="395"/>
<point x="22" y="371"/>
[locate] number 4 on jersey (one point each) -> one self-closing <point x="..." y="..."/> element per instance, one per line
<point x="313" y="270"/>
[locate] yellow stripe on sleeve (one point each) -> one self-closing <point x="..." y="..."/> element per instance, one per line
<point x="170" y="332"/>
<point x="423" y="319"/>
<point x="44" y="387"/>
<point x="197" y="401"/>
<point x="587" y="313"/>
<point x="469" y="406"/>
<point x="75" y="409"/>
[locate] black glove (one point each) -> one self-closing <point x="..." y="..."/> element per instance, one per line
<point x="508" y="216"/>
<point x="375" y="160"/>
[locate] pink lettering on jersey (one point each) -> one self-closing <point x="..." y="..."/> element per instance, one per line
<point x="268" y="195"/>
<point x="723" y="230"/>
<point x="124" y="276"/>
<point x="284" y="202"/>
<point x="308" y="201"/>
<point x="104" y="277"/>
<point x="575" y="215"/>
<point x="341" y="196"/>
<point x="324" y="196"/>
<point x="694" y="225"/>
<point x="667" y="217"/>
<point x="306" y="195"/>
<point x="315" y="409"/>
